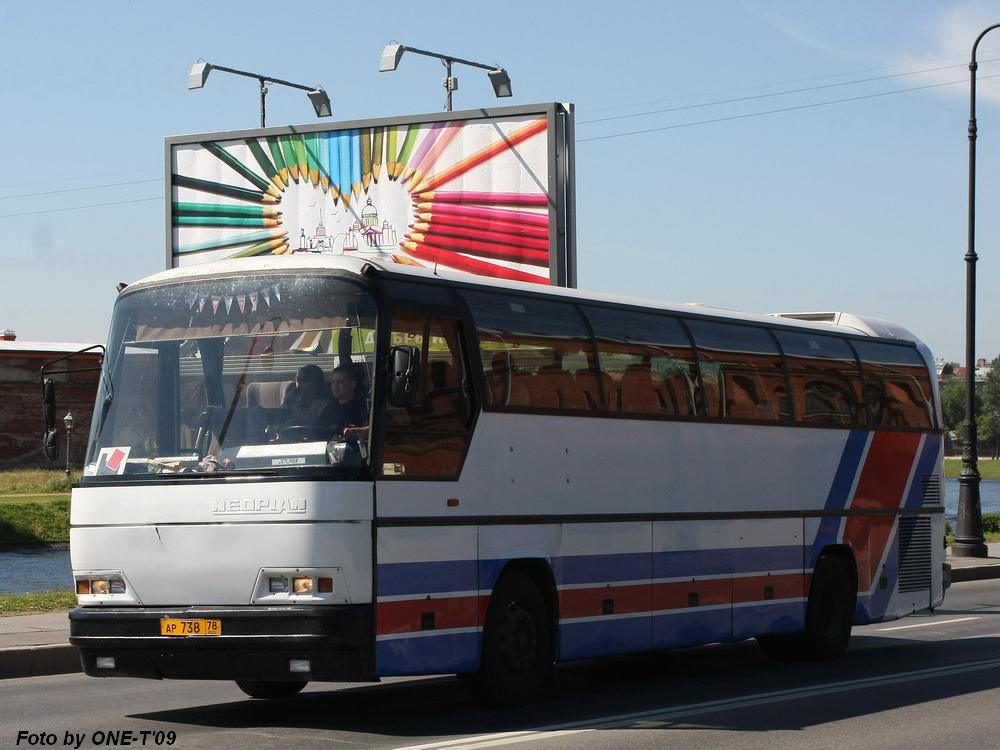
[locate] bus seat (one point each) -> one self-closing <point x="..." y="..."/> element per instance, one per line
<point x="638" y="392"/>
<point x="269" y="395"/>
<point x="677" y="396"/>
<point x="591" y="389"/>
<point x="573" y="391"/>
<point x="745" y="398"/>
<point x="542" y="390"/>
<point x="519" y="394"/>
<point x="569" y="395"/>
<point x="498" y="378"/>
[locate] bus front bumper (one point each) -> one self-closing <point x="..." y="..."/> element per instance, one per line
<point x="332" y="643"/>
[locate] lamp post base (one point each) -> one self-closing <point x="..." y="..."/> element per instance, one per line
<point x="969" y="548"/>
<point x="969" y="540"/>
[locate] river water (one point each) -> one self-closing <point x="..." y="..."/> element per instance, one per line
<point x="45" y="568"/>
<point x="34" y="569"/>
<point x="989" y="497"/>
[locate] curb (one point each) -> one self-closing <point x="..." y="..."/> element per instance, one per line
<point x="974" y="573"/>
<point x="34" y="661"/>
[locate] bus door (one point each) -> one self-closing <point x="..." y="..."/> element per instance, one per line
<point x="427" y="615"/>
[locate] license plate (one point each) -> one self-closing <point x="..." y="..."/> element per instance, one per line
<point x="190" y="627"/>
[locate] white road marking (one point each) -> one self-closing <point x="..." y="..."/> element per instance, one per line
<point x="663" y="715"/>
<point x="926" y="624"/>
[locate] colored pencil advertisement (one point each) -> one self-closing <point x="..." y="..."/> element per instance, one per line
<point x="469" y="194"/>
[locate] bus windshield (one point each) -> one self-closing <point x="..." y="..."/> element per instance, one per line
<point x="235" y="374"/>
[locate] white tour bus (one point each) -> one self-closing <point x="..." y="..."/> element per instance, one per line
<point x="487" y="478"/>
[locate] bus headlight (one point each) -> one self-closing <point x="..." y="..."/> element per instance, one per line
<point x="100" y="586"/>
<point x="95" y="587"/>
<point x="300" y="586"/>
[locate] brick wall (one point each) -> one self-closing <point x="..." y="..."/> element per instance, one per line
<point x="21" y="424"/>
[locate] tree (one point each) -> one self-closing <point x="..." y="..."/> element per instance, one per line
<point x="953" y="404"/>
<point x="991" y="388"/>
<point x="987" y="432"/>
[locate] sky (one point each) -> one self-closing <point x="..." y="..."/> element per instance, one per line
<point x="718" y="158"/>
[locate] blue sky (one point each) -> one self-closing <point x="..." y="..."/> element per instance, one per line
<point x="856" y="206"/>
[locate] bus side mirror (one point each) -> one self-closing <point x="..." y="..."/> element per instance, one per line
<point x="404" y="375"/>
<point x="49" y="404"/>
<point x="50" y="439"/>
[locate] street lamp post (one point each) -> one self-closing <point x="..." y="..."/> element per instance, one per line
<point x="499" y="78"/>
<point x="969" y="540"/>
<point x="68" y="422"/>
<point x="318" y="97"/>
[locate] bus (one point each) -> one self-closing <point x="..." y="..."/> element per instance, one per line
<point x="538" y="475"/>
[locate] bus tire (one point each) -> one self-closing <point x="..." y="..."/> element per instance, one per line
<point x="270" y="690"/>
<point x="829" y="617"/>
<point x="517" y="643"/>
<point x="830" y="611"/>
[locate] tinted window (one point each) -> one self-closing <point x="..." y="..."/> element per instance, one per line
<point x="413" y="296"/>
<point x="535" y="354"/>
<point x="429" y="438"/>
<point x="826" y="381"/>
<point x="897" y="387"/>
<point x="647" y="363"/>
<point x="741" y="371"/>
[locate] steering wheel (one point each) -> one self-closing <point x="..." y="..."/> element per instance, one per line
<point x="304" y="433"/>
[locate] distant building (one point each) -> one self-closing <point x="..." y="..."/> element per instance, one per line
<point x="950" y="372"/>
<point x="21" y="423"/>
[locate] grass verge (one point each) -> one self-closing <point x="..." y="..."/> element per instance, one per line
<point x="988" y="469"/>
<point x="41" y="601"/>
<point x="40" y="520"/>
<point x="36" y="481"/>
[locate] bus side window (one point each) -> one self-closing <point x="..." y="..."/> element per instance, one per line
<point x="897" y="385"/>
<point x="750" y="384"/>
<point x="826" y="383"/>
<point x="535" y="354"/>
<point x="647" y="362"/>
<point x="430" y="438"/>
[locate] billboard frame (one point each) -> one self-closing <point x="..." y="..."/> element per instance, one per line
<point x="561" y="188"/>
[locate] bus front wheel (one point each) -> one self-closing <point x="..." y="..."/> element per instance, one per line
<point x="517" y="643"/>
<point x="270" y="690"/>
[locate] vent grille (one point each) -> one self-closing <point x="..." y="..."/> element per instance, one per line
<point x="914" y="554"/>
<point x="932" y="490"/>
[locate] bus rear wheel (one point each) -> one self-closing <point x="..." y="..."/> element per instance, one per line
<point x="270" y="690"/>
<point x="829" y="617"/>
<point x="517" y="643"/>
<point x="830" y="612"/>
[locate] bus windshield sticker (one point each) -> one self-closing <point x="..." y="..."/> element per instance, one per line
<point x="112" y="461"/>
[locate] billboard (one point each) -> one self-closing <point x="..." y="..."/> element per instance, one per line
<point x="486" y="192"/>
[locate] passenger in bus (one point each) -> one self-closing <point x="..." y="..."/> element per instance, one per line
<point x="309" y="403"/>
<point x="349" y="410"/>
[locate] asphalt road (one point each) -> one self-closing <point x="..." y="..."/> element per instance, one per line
<point x="928" y="681"/>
